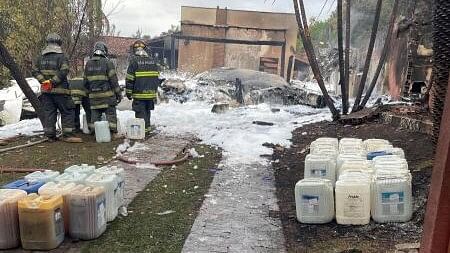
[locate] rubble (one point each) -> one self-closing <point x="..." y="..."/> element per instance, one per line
<point x="220" y="108"/>
<point x="407" y="248"/>
<point x="240" y="86"/>
<point x="263" y="123"/>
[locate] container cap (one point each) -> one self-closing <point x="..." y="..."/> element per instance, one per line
<point x="11" y="195"/>
<point x="89" y="191"/>
<point x="34" y="201"/>
<point x="53" y="188"/>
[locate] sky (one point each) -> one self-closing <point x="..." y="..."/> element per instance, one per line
<point x="155" y="16"/>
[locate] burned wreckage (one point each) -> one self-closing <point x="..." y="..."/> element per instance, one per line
<point x="240" y="87"/>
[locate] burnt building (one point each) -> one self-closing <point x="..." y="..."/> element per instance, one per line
<point x="165" y="49"/>
<point x="214" y="37"/>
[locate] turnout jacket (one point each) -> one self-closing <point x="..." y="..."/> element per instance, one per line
<point x="101" y="82"/>
<point x="77" y="90"/>
<point x="54" y="67"/>
<point x="142" y="79"/>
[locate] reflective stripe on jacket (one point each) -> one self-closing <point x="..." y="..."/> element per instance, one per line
<point x="101" y="82"/>
<point x="142" y="78"/>
<point x="53" y="67"/>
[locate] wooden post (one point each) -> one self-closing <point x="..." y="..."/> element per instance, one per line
<point x="436" y="232"/>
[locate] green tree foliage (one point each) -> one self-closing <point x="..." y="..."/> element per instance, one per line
<point x="25" y="24"/>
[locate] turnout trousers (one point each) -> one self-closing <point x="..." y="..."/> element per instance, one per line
<point x="52" y="103"/>
<point x="111" y="117"/>
<point x="143" y="110"/>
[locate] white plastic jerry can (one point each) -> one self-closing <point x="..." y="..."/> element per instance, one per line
<point x="314" y="201"/>
<point x="102" y="132"/>
<point x="353" y="201"/>
<point x="136" y="129"/>
<point x="392" y="198"/>
<point x="320" y="166"/>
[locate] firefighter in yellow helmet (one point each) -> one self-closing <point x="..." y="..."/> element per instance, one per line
<point x="142" y="83"/>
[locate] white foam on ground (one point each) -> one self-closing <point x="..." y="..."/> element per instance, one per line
<point x="25" y="127"/>
<point x="234" y="130"/>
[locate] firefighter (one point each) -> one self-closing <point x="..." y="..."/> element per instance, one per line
<point x="79" y="96"/>
<point x="51" y="69"/>
<point x="103" y="87"/>
<point x="142" y="83"/>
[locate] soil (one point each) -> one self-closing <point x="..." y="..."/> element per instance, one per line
<point x="289" y="166"/>
<point x="161" y="216"/>
<point x="54" y="155"/>
<point x="414" y="112"/>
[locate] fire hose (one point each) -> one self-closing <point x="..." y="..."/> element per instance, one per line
<point x="156" y="163"/>
<point x="23" y="145"/>
<point x="19" y="170"/>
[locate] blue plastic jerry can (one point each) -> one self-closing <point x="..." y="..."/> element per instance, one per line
<point x="29" y="187"/>
<point x="372" y="155"/>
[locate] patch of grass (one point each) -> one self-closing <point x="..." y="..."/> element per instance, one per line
<point x="179" y="190"/>
<point x="55" y="156"/>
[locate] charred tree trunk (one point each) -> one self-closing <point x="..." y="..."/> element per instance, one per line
<point x="373" y="37"/>
<point x="441" y="48"/>
<point x="7" y="60"/>
<point x="340" y="33"/>
<point x="309" y="49"/>
<point x="384" y="55"/>
<point x="347" y="45"/>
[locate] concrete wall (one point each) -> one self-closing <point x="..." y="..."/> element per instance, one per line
<point x="233" y="24"/>
<point x="196" y="56"/>
<point x="248" y="56"/>
<point x="195" y="15"/>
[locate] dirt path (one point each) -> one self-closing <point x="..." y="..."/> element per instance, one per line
<point x="289" y="165"/>
<point x="235" y="215"/>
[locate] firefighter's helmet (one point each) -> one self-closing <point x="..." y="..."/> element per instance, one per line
<point x="54" y="38"/>
<point x="100" y="48"/>
<point x="138" y="44"/>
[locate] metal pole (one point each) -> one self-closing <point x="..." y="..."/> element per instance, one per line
<point x="283" y="59"/>
<point x="436" y="232"/>
<point x="173" y="54"/>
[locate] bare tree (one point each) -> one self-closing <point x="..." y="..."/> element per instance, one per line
<point x="340" y="33"/>
<point x="348" y="7"/>
<point x="384" y="55"/>
<point x="302" y="22"/>
<point x="373" y="37"/>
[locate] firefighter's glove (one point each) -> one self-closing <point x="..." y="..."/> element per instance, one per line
<point x="46" y="85"/>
